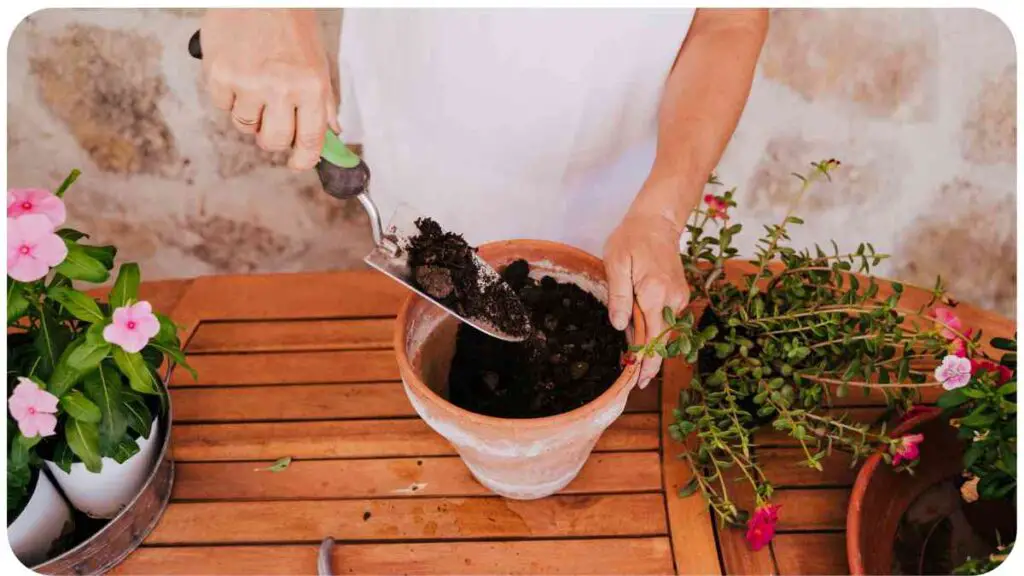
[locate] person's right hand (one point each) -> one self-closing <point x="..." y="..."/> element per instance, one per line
<point x="270" y="70"/>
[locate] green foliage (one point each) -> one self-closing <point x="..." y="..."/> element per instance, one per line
<point x="978" y="566"/>
<point x="55" y="337"/>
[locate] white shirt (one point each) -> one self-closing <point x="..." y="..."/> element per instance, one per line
<point x="506" y="124"/>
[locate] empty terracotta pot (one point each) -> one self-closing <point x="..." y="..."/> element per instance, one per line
<point x="881" y="496"/>
<point x="516" y="458"/>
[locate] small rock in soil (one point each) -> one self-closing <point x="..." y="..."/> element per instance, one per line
<point x="569" y="360"/>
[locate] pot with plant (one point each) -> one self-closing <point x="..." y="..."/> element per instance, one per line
<point x="957" y="513"/>
<point x="775" y="340"/>
<point x="85" y="390"/>
<point x="524" y="416"/>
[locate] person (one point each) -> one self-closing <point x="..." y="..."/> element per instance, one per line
<point x="597" y="128"/>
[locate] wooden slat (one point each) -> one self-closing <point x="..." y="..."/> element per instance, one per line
<point x="261" y="369"/>
<point x="411" y="519"/>
<point x="814" y="509"/>
<point x="302" y="296"/>
<point x="784" y="467"/>
<point x="817" y="554"/>
<point x="693" y="535"/>
<point x="278" y="336"/>
<point x="318" y="402"/>
<point x="604" y="556"/>
<point x="393" y="477"/>
<point x="360" y="439"/>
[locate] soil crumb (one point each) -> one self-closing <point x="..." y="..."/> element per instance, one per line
<point x="571" y="358"/>
<point x="444" y="267"/>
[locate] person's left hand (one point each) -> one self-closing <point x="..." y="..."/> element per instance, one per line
<point x="641" y="259"/>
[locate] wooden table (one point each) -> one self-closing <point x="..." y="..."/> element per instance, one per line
<point x="301" y="366"/>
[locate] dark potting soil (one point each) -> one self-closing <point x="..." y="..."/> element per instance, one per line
<point x="571" y="358"/>
<point x="443" y="267"/>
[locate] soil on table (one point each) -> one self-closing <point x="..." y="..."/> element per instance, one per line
<point x="572" y="356"/>
<point x="935" y="535"/>
<point x="444" y="267"/>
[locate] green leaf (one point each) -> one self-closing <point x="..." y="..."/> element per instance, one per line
<point x="63" y="456"/>
<point x="140" y="419"/>
<point x="799" y="353"/>
<point x="104" y="388"/>
<point x="71" y="234"/>
<point x="668" y="315"/>
<point x="179" y="357"/>
<point x="67" y="182"/>
<point x="126" y="288"/>
<point x="1008" y="388"/>
<point x="80" y="408"/>
<point x="79" y="265"/>
<point x="103" y="254"/>
<point x="17" y="304"/>
<point x="84" y="440"/>
<point x="134" y="367"/>
<point x="88" y="355"/>
<point x="1004" y="344"/>
<point x="124" y="450"/>
<point x="279" y="466"/>
<point x="50" y="341"/>
<point x="65" y="375"/>
<point x="78" y="304"/>
<point x="979" y="418"/>
<point x="689" y="488"/>
<point x="168" y="333"/>
<point x="951" y="399"/>
<point x="904" y="370"/>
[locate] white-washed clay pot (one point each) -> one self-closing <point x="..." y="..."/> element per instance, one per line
<point x="40" y="524"/>
<point x="516" y="458"/>
<point x="103" y="495"/>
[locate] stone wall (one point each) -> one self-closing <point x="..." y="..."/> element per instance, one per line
<point x="918" y="104"/>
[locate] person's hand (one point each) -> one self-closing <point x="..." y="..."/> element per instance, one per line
<point x="641" y="260"/>
<point x="270" y="70"/>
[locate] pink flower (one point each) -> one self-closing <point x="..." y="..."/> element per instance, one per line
<point x="32" y="247"/>
<point x="958" y="346"/>
<point x="1003" y="373"/>
<point x="761" y="526"/>
<point x="132" y="327"/>
<point x="717" y="207"/>
<point x="33" y="408"/>
<point x="949" y="323"/>
<point x="954" y="372"/>
<point x="907" y="450"/>
<point x="22" y="201"/>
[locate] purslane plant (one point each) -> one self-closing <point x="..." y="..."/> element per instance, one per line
<point x="80" y="371"/>
<point x="777" y="345"/>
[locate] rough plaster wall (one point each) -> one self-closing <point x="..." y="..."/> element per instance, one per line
<point x="918" y="104"/>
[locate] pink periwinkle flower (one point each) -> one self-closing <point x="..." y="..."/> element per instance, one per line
<point x="718" y="208"/>
<point x="132" y="327"/>
<point x="949" y="323"/>
<point x="32" y="247"/>
<point x="33" y="408"/>
<point x="761" y="526"/>
<point x="954" y="372"/>
<point x="907" y="450"/>
<point x="22" y="201"/>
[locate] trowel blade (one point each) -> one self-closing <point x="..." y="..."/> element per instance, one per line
<point x="400" y="228"/>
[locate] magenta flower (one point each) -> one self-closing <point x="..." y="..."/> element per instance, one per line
<point x="718" y="208"/>
<point x="33" y="408"/>
<point x="761" y="526"/>
<point x="949" y="323"/>
<point x="1003" y="373"/>
<point x="954" y="372"/>
<point x="907" y="449"/>
<point x="132" y="327"/>
<point x="32" y="247"/>
<point x="22" y="201"/>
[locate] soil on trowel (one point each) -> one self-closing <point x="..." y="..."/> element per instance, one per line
<point x="572" y="356"/>
<point x="443" y="266"/>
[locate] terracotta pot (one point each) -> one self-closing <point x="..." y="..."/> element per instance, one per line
<point x="881" y="496"/>
<point x="516" y="458"/>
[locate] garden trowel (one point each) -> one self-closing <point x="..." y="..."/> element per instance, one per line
<point x="344" y="175"/>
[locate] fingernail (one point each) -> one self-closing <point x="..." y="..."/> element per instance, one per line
<point x="620" y="321"/>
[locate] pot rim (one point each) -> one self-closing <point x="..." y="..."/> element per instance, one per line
<point x="626" y="379"/>
<point x="860" y="486"/>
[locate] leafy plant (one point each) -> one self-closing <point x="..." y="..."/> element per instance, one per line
<point x="82" y="373"/>
<point x="775" y="347"/>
